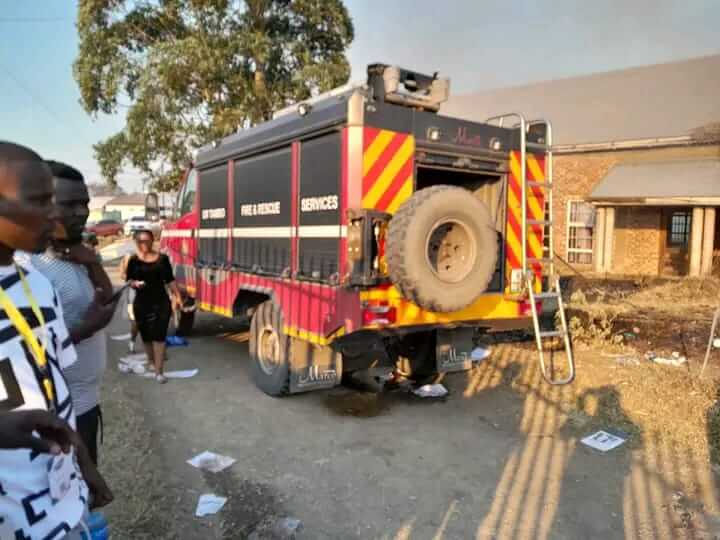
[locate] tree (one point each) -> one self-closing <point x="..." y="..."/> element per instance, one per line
<point x="99" y="189"/>
<point x="193" y="71"/>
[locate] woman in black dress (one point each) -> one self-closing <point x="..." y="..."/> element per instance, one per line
<point x="149" y="273"/>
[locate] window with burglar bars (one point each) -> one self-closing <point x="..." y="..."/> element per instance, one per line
<point x="680" y="226"/>
<point x="580" y="228"/>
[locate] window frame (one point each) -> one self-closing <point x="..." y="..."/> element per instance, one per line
<point x="569" y="225"/>
<point x="191" y="177"/>
<point x="687" y="214"/>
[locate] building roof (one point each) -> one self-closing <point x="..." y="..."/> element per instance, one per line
<point x="662" y="100"/>
<point x="98" y="203"/>
<point x="133" y="199"/>
<point x="678" y="180"/>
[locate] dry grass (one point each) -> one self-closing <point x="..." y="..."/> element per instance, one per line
<point x="676" y="298"/>
<point x="645" y="400"/>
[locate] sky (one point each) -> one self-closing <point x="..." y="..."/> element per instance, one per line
<point x="479" y="44"/>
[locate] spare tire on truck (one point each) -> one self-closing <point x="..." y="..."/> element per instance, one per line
<point x="442" y="248"/>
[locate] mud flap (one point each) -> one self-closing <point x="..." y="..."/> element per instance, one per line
<point x="313" y="367"/>
<point x="453" y="349"/>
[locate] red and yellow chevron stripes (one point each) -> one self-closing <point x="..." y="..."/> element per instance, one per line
<point x="388" y="162"/>
<point x="535" y="210"/>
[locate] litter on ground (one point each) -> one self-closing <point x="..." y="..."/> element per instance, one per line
<point x="603" y="441"/>
<point x="479" y="353"/>
<point x="176" y="341"/>
<point x="132" y="359"/>
<point x="181" y="374"/>
<point x="121" y="337"/>
<point x="675" y="360"/>
<point x="210" y="461"/>
<point x="209" y="504"/>
<point x="430" y="391"/>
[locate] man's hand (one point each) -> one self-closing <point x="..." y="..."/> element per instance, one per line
<point x="99" y="490"/>
<point x="81" y="254"/>
<point x="97" y="316"/>
<point x="16" y="431"/>
<point x="137" y="284"/>
<point x="99" y="312"/>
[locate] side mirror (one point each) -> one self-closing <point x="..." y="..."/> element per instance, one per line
<point x="152" y="207"/>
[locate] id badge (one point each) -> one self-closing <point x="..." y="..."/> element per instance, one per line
<point x="60" y="473"/>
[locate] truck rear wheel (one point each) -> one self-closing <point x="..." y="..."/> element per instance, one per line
<point x="269" y="350"/>
<point x="442" y="248"/>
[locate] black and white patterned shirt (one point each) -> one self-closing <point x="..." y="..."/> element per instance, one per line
<point x="26" y="509"/>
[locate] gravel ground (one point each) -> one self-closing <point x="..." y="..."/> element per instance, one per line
<point x="500" y="457"/>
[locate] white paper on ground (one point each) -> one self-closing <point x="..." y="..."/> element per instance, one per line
<point x="134" y="359"/>
<point x="210" y="461"/>
<point x="430" y="390"/>
<point x="181" y="374"/>
<point x="209" y="504"/>
<point x="123" y="367"/>
<point x="479" y="353"/>
<point x="675" y="361"/>
<point x="121" y="337"/>
<point x="603" y="441"/>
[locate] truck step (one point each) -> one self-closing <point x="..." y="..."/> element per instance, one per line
<point x="552" y="333"/>
<point x="543" y="222"/>
<point x="533" y="260"/>
<point x="545" y="185"/>
<point x="543" y="295"/>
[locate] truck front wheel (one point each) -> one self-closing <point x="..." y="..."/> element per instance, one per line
<point x="269" y="350"/>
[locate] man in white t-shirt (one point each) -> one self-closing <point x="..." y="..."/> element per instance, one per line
<point x="34" y="349"/>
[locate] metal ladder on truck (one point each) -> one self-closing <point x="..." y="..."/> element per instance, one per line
<point x="546" y="262"/>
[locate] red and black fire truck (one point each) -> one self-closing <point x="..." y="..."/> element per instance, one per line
<point x="361" y="228"/>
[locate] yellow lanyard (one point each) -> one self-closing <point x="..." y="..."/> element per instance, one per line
<point x="24" y="329"/>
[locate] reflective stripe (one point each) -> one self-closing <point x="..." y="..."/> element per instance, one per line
<point x="262" y="232"/>
<point x="322" y="231"/>
<point x="304" y="231"/>
<point x="213" y="233"/>
<point x="176" y="233"/>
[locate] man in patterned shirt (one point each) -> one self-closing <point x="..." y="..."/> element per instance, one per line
<point x="34" y="349"/>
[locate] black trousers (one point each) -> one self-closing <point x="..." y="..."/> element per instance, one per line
<point x="88" y="426"/>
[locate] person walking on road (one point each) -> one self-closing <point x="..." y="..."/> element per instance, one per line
<point x="150" y="274"/>
<point x="131" y="298"/>
<point x="85" y="292"/>
<point x="35" y="347"/>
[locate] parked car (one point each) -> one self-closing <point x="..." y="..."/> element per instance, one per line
<point x="139" y="223"/>
<point x="106" y="227"/>
<point x="90" y="239"/>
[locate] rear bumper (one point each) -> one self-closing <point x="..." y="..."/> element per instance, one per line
<point x="487" y="311"/>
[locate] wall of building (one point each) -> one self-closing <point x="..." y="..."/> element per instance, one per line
<point x="575" y="176"/>
<point x="127" y="211"/>
<point x="636" y="244"/>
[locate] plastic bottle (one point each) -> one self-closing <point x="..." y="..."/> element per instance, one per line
<point x="98" y="527"/>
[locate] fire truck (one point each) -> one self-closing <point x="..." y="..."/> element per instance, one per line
<point x="362" y="228"/>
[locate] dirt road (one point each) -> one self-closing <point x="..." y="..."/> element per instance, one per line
<point x="490" y="461"/>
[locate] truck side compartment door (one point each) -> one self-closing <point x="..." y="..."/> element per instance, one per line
<point x="213" y="233"/>
<point x="319" y="227"/>
<point x="262" y="227"/>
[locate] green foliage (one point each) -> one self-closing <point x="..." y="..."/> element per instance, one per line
<point x="192" y="71"/>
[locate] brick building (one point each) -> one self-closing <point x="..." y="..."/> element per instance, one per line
<point x="637" y="164"/>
